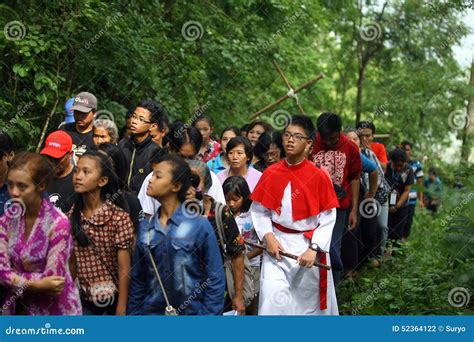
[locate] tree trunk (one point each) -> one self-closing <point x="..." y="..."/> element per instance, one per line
<point x="360" y="81"/>
<point x="467" y="132"/>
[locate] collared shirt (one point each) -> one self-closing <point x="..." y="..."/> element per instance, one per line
<point x="189" y="263"/>
<point x="4" y="197"/>
<point x="109" y="229"/>
<point x="418" y="173"/>
<point x="215" y="165"/>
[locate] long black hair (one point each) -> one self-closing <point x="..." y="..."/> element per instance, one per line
<point x="180" y="173"/>
<point x="118" y="160"/>
<point x="111" y="193"/>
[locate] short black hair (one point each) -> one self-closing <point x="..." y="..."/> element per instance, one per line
<point x="266" y="125"/>
<point x="158" y="112"/>
<point x="398" y="155"/>
<point x="231" y="128"/>
<point x="328" y="123"/>
<point x="366" y="124"/>
<point x="245" y="128"/>
<point x="265" y="140"/>
<point x="180" y="134"/>
<point x="303" y="122"/>
<point x="432" y="170"/>
<point x="6" y="143"/>
<point x="181" y="173"/>
<point x="238" y="185"/>
<point x="241" y="141"/>
<point x="118" y="160"/>
<point x="405" y="143"/>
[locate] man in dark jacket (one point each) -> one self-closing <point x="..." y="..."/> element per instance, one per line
<point x="140" y="147"/>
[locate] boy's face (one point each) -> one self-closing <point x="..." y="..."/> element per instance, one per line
<point x="295" y="141"/>
<point x="330" y="140"/>
<point x="366" y="137"/>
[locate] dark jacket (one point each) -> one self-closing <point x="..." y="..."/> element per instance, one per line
<point x="138" y="156"/>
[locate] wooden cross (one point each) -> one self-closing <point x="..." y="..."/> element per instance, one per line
<point x="291" y="93"/>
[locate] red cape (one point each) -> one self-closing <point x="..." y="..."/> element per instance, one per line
<point x="312" y="190"/>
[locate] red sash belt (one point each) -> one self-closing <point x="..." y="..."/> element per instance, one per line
<point x="322" y="258"/>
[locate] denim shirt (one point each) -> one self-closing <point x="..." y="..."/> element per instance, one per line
<point x="188" y="259"/>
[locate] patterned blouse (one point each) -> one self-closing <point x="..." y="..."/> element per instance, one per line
<point x="213" y="149"/>
<point x="109" y="230"/>
<point x="233" y="240"/>
<point x="44" y="253"/>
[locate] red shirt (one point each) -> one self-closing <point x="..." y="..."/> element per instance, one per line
<point x="304" y="178"/>
<point x="342" y="161"/>
<point x="380" y="153"/>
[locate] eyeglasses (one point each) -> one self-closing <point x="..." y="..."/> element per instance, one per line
<point x="296" y="137"/>
<point x="273" y="154"/>
<point x="140" y="118"/>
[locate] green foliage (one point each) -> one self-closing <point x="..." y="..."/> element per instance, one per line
<point x="438" y="258"/>
<point x="127" y="51"/>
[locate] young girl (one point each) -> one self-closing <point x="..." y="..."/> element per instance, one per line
<point x="220" y="162"/>
<point x="177" y="264"/>
<point x="232" y="240"/>
<point x="237" y="195"/>
<point x="209" y="148"/>
<point x="103" y="236"/>
<point x="35" y="245"/>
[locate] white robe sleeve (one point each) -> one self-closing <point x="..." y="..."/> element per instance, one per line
<point x="262" y="219"/>
<point x="149" y="204"/>
<point x="322" y="235"/>
<point x="215" y="191"/>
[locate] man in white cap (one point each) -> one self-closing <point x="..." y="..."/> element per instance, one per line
<point x="81" y="131"/>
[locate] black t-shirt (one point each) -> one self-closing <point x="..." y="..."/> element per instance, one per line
<point x="399" y="181"/>
<point x="80" y="141"/>
<point x="61" y="192"/>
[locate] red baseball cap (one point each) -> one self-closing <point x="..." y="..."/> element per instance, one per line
<point x="57" y="144"/>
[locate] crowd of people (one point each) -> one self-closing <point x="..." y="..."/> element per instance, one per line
<point x="167" y="218"/>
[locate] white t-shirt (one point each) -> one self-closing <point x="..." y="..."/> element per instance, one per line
<point x="150" y="205"/>
<point x="247" y="231"/>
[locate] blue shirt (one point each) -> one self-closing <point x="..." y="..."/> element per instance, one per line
<point x="189" y="262"/>
<point x="215" y="165"/>
<point x="418" y="172"/>
<point x="368" y="165"/>
<point x="4" y="197"/>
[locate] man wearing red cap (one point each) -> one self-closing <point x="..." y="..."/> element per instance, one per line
<point x="81" y="131"/>
<point x="58" y="149"/>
